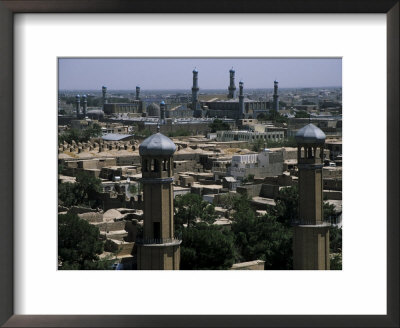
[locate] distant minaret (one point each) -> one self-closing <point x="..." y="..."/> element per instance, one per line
<point x="195" y="89"/>
<point x="241" y="101"/>
<point x="232" y="87"/>
<point x="78" y="105"/>
<point x="162" y="112"/>
<point x="104" y="90"/>
<point x="276" y="97"/>
<point x="84" y="97"/>
<point x="137" y="93"/>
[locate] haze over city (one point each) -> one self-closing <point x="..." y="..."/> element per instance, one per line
<point x="174" y="73"/>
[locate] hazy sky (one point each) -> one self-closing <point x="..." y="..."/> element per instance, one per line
<point x="157" y="73"/>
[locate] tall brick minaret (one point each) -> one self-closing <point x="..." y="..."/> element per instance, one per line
<point x="104" y="92"/>
<point x="311" y="233"/>
<point x="159" y="249"/>
<point x="232" y="87"/>
<point x="195" y="90"/>
<point x="276" y="97"/>
<point x="242" y="113"/>
<point x="77" y="105"/>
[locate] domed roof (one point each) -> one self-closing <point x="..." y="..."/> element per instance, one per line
<point x="195" y="70"/>
<point x="95" y="112"/>
<point x="162" y="102"/>
<point x="310" y="134"/>
<point x="153" y="106"/>
<point x="232" y="70"/>
<point x="157" y="145"/>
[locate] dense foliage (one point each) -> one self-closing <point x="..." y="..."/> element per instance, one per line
<point x="85" y="135"/>
<point x="83" y="192"/>
<point x="218" y="125"/>
<point x="189" y="208"/>
<point x="263" y="238"/>
<point x="252" y="237"/>
<point x="272" y="116"/>
<point x="79" y="244"/>
<point x="302" y="114"/>
<point x="206" y="247"/>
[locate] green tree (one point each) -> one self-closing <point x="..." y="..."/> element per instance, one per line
<point x="206" y="247"/>
<point x="336" y="261"/>
<point x="335" y="239"/>
<point x="272" y="116"/>
<point x="93" y="131"/>
<point x="287" y="205"/>
<point x="69" y="135"/>
<point x="79" y="244"/>
<point x="87" y="188"/>
<point x="66" y="194"/>
<point x="189" y="207"/>
<point x="257" y="145"/>
<point x="83" y="192"/>
<point x="218" y="125"/>
<point x="179" y="133"/>
<point x="228" y="200"/>
<point x="263" y="238"/>
<point x="302" y="114"/>
<point x="262" y="117"/>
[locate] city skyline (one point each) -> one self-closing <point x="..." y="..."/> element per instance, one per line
<point x="176" y="73"/>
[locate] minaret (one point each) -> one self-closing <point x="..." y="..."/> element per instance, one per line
<point x="242" y="113"/>
<point x="162" y="112"/>
<point x="84" y="110"/>
<point x="159" y="249"/>
<point x="311" y="233"/>
<point x="104" y="91"/>
<point x="276" y="97"/>
<point x="78" y="105"/>
<point x="137" y="93"/>
<point x="195" y="89"/>
<point x="232" y="87"/>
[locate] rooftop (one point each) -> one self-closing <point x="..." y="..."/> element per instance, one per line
<point x="116" y="136"/>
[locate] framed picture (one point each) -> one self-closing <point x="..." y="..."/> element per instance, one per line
<point x="224" y="296"/>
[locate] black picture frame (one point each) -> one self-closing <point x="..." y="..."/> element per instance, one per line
<point x="7" y="10"/>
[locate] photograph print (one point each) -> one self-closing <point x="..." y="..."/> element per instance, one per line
<point x="199" y="164"/>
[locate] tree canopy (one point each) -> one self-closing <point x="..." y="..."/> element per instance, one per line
<point x="206" y="247"/>
<point x="92" y="131"/>
<point x="83" y="192"/>
<point x="272" y="116"/>
<point x="218" y="125"/>
<point x="302" y="114"/>
<point x="263" y="238"/>
<point x="190" y="207"/>
<point x="79" y="244"/>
